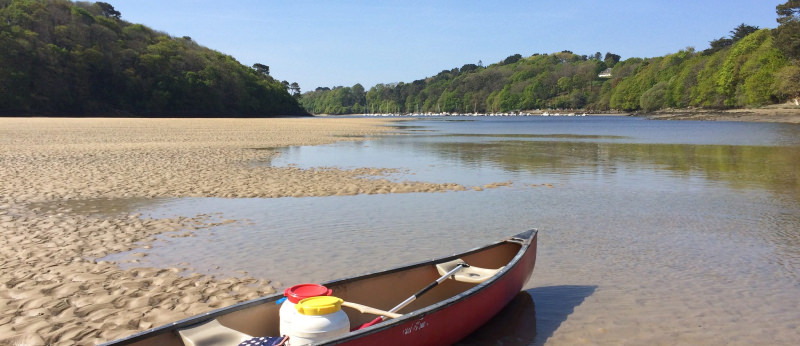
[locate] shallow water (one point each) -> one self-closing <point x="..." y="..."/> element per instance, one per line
<point x="650" y="231"/>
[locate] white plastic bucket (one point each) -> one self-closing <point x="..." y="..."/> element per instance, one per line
<point x="287" y="313"/>
<point x="294" y="295"/>
<point x="318" y="319"/>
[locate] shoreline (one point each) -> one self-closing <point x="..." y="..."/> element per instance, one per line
<point x="55" y="290"/>
<point x="784" y="113"/>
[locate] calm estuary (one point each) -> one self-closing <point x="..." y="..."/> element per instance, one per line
<point x="651" y="232"/>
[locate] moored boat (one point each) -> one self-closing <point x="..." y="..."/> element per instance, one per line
<point x="459" y="293"/>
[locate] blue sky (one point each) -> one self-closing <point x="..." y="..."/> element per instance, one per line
<point x="330" y="43"/>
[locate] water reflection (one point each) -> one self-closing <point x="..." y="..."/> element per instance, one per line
<point x="476" y="152"/>
<point x="569" y="136"/>
<point x="515" y="324"/>
<point x="531" y="317"/>
<point x="774" y="168"/>
<point x="554" y="304"/>
<point x="100" y="206"/>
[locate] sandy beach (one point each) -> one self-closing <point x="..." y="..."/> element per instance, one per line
<point x="55" y="291"/>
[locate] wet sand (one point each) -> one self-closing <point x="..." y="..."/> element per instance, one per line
<point x="55" y="290"/>
<point x="782" y="113"/>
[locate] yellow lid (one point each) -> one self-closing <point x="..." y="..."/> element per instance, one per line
<point x="321" y="305"/>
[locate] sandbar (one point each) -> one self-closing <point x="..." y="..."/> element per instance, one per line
<point x="56" y="291"/>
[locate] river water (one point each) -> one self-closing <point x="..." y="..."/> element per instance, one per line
<point x="650" y="232"/>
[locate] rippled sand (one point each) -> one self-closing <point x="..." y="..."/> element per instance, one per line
<point x="54" y="291"/>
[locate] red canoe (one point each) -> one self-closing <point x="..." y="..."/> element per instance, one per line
<point x="443" y="315"/>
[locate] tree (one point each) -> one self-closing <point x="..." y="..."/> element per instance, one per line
<point x="787" y="83"/>
<point x="653" y="98"/>
<point x="611" y="59"/>
<point x="787" y="35"/>
<point x="512" y="59"/>
<point x="262" y="69"/>
<point x="566" y="56"/>
<point x="358" y="89"/>
<point x="359" y="94"/>
<point x="107" y="10"/>
<point x="468" y="68"/>
<point x="737" y="34"/>
<point x="741" y="31"/>
<point x="718" y="44"/>
<point x="295" y="88"/>
<point x="790" y="11"/>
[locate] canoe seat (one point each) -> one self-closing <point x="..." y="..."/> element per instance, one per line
<point x="212" y="333"/>
<point x="474" y="275"/>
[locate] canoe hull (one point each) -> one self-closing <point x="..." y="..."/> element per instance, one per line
<point x="442" y="316"/>
<point x="459" y="316"/>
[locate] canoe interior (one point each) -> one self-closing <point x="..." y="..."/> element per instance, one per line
<point x="382" y="290"/>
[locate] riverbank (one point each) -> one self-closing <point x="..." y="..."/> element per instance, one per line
<point x="783" y="113"/>
<point x="55" y="291"/>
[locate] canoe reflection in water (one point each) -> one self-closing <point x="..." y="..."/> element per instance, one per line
<point x="531" y="317"/>
<point x="514" y="325"/>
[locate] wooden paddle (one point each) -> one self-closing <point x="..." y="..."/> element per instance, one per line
<point x="370" y="310"/>
<point x="414" y="297"/>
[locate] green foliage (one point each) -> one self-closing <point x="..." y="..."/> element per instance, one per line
<point x="747" y="69"/>
<point x="742" y="31"/>
<point x="745" y="77"/>
<point x="539" y="81"/>
<point x="62" y="58"/>
<point x="655" y="97"/>
<point x="339" y="100"/>
<point x="611" y="59"/>
<point x="83" y="15"/>
<point x="718" y="45"/>
<point x="787" y="39"/>
<point x="107" y="10"/>
<point x="787" y="35"/>
<point x="788" y="11"/>
<point x="512" y="59"/>
<point x="787" y="83"/>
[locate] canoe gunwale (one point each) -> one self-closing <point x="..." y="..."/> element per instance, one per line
<point x="517" y="239"/>
<point x="525" y="239"/>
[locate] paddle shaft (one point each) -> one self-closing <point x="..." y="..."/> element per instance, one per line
<point x="428" y="288"/>
<point x="370" y="310"/>
<point x="417" y="295"/>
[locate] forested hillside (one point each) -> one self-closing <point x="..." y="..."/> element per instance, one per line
<point x="62" y="58"/>
<point x="751" y="67"/>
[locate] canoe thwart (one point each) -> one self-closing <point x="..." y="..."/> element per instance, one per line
<point x="370" y="310"/>
<point x="212" y="333"/>
<point x="470" y="274"/>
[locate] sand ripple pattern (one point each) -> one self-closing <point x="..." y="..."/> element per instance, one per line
<point x="52" y="290"/>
